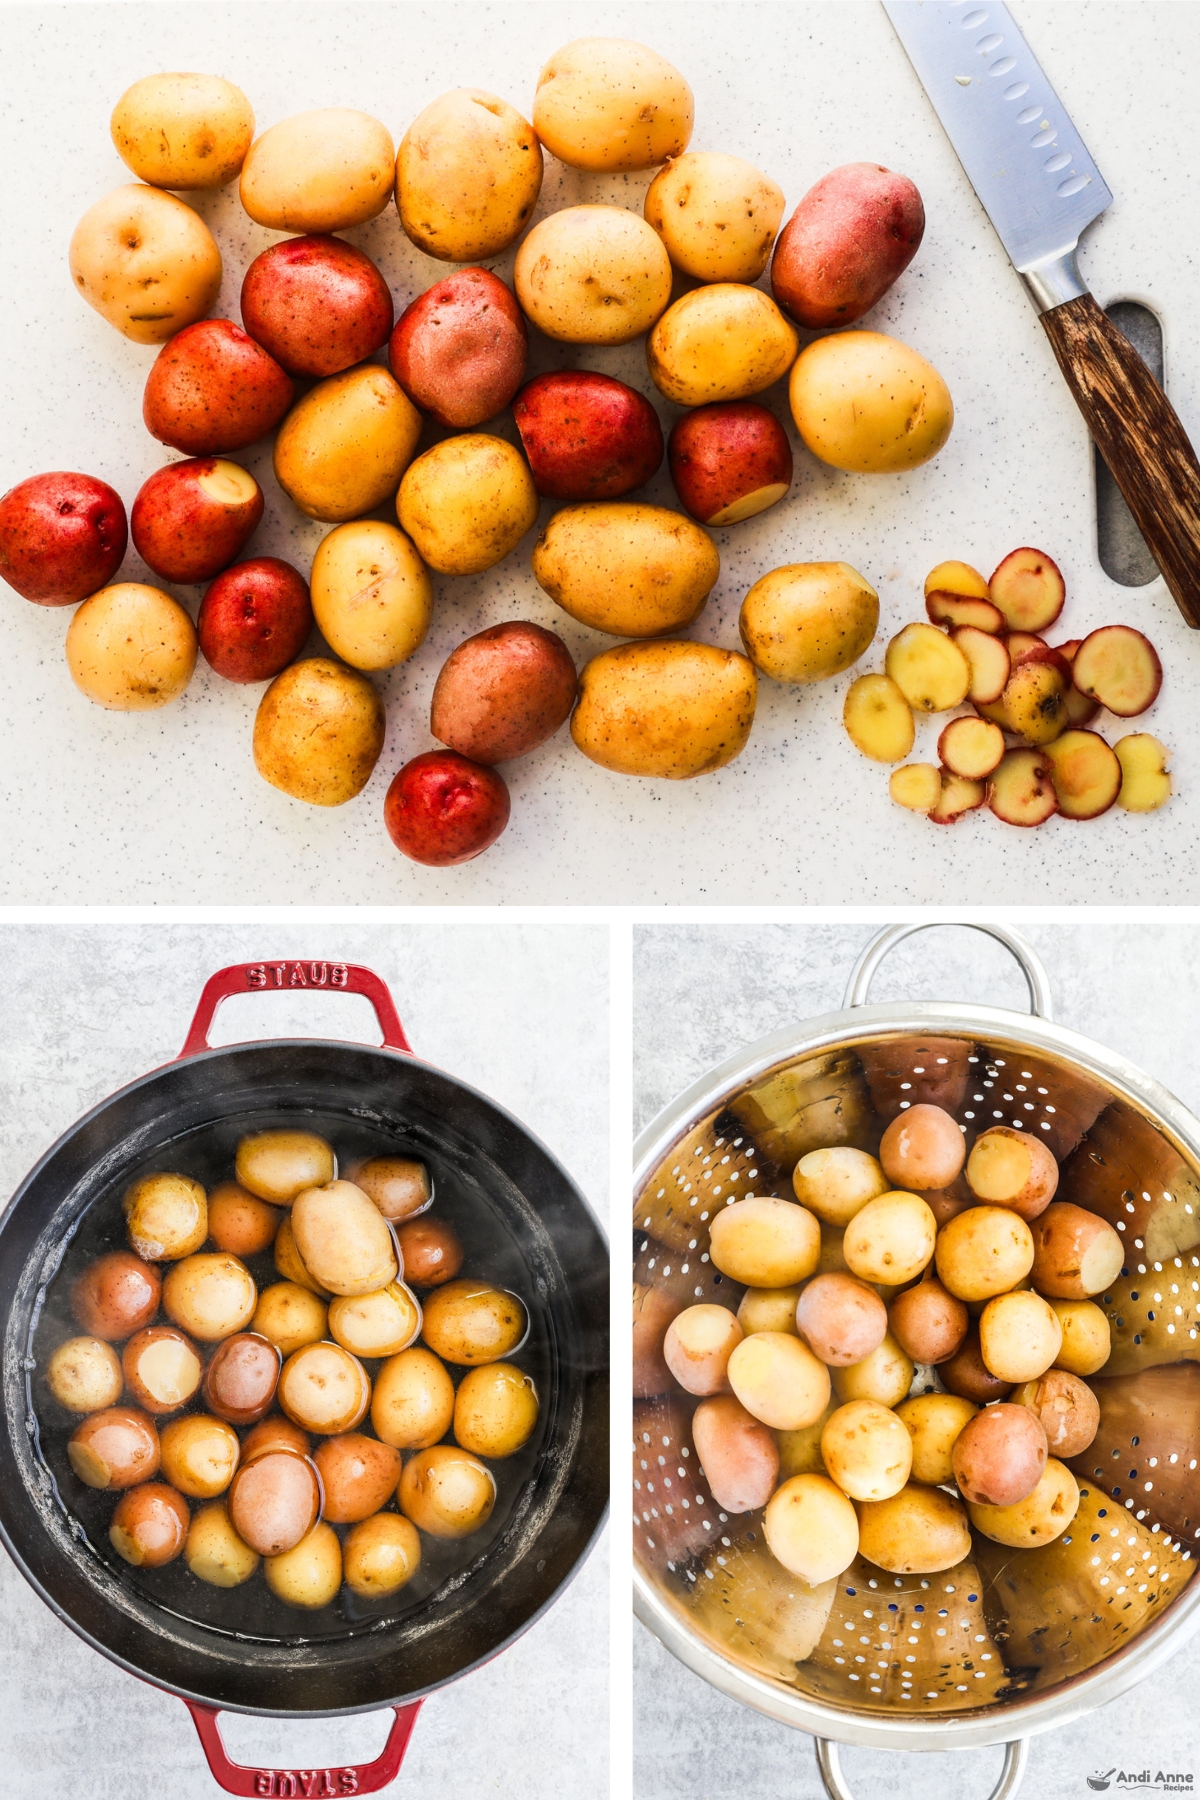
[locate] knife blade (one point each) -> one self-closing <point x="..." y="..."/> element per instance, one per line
<point x="1040" y="187"/>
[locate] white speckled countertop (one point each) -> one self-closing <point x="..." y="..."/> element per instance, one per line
<point x="167" y="807"/>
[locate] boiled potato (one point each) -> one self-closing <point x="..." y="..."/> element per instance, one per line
<point x="1076" y="1254"/>
<point x="808" y="621"/>
<point x="999" y="1456"/>
<point x="769" y="1309"/>
<point x="342" y="449"/>
<point x="879" y="721"/>
<point x="1087" y="1336"/>
<point x="867" y="1450"/>
<point x="278" y="1165"/>
<point x="837" y="1183"/>
<point x="611" y="103"/>
<point x="934" y="1422"/>
<point x="1039" y="1518"/>
<point x="413" y="1400"/>
<point x="310" y="1574"/>
<point x="344" y="1240"/>
<point x="288" y="1316"/>
<point x="446" y="1491"/>
<point x="865" y="403"/>
<point x="922" y="1148"/>
<point x="722" y="342"/>
<point x="1019" y="1336"/>
<point x="318" y="732"/>
<point x="214" y="1552"/>
<point x="840" y="1319"/>
<point x="114" y="1448"/>
<point x="371" y="594"/>
<point x="918" y="1531"/>
<point x="275" y="1497"/>
<point x="890" y="1239"/>
<point x="716" y="214"/>
<point x="146" y="262"/>
<point x="468" y="174"/>
<point x="765" y="1242"/>
<point x="399" y="1186"/>
<point x="467" y="502"/>
<point x="162" y="1369"/>
<point x="811" y="1528"/>
<point x="319" y="171"/>
<point x="183" y="131"/>
<point x="495" y="1410"/>
<point x="473" y="1322"/>
<point x="84" y="1375"/>
<point x="115" y="1295"/>
<point x="239" y="1222"/>
<point x="381" y="1555"/>
<point x="323" y="1388"/>
<point x="166" y="1217"/>
<point x="358" y="1476"/>
<point x="697" y="1346"/>
<point x="928" y="1322"/>
<point x="669" y="710"/>
<point x="199" y="1455"/>
<point x="593" y="275"/>
<point x="377" y="1324"/>
<point x="884" y="1376"/>
<point x="1067" y="1409"/>
<point x="800" y="1451"/>
<point x="131" y="648"/>
<point x="983" y="1252"/>
<point x="290" y="1263"/>
<point x="149" y="1526"/>
<point x="209" y="1296"/>
<point x="779" y="1380"/>
<point x="1014" y="1169"/>
<point x="626" y="568"/>
<point x="737" y="1453"/>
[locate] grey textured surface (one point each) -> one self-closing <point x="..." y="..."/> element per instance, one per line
<point x="701" y="993"/>
<point x="520" y="1012"/>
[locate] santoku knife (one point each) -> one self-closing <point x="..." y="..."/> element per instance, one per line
<point x="1040" y="188"/>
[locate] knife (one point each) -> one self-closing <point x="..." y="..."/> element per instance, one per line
<point x="1040" y="188"/>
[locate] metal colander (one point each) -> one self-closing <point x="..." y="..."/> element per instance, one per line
<point x="1009" y="1642"/>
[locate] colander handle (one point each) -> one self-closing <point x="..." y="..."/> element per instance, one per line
<point x="885" y="941"/>
<point x="324" y="1784"/>
<point x="292" y="976"/>
<point x="1016" y="1756"/>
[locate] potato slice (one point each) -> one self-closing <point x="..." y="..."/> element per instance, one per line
<point x="1145" y="783"/>
<point x="959" y="795"/>
<point x="917" y="786"/>
<point x="989" y="661"/>
<point x="957" y="578"/>
<point x="959" y="609"/>
<point x="1021" y="792"/>
<point x="1120" y="668"/>
<point x="1029" y="589"/>
<point x="929" y="668"/>
<point x="971" y="747"/>
<point x="878" y="718"/>
<point x="1035" y="700"/>
<point x="1087" y="774"/>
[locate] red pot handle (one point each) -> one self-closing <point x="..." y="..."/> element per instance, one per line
<point x="321" y="1784"/>
<point x="257" y="978"/>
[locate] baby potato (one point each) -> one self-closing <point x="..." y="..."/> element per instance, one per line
<point x="626" y="568"/>
<point x="922" y="1148"/>
<point x="166" y="1217"/>
<point x="1014" y="1169"/>
<point x="183" y="131"/>
<point x="241" y="1378"/>
<point x="1039" y="1518"/>
<point x="380" y="1556"/>
<point x="890" y="1239"/>
<point x="467" y="502"/>
<point x="461" y="348"/>
<point x="716" y="214"/>
<point x="769" y="1309"/>
<point x="290" y="1263"/>
<point x="116" y="1295"/>
<point x="274" y="1500"/>
<point x="723" y="342"/>
<point x="84" y="1375"/>
<point x="884" y="1376"/>
<point x="199" y="1455"/>
<point x="698" y="1345"/>
<point x="983" y="1252"/>
<point x="150" y="1526"/>
<point x="447" y="1492"/>
<point x="503" y="692"/>
<point x="161" y="1368"/>
<point x="131" y="648"/>
<point x="669" y="710"/>
<point x="928" y="1322"/>
<point x="378" y="1324"/>
<point x="966" y="1374"/>
<point x="999" y="1455"/>
<point x="918" y="1531"/>
<point x="214" y="1552"/>
<point x="840" y="1319"/>
<point x="323" y="1388"/>
<point x="808" y="621"/>
<point x="738" y="1455"/>
<point x="288" y="1316"/>
<point x="139" y="242"/>
<point x="1087" y="1337"/>
<point x="413" y="1402"/>
<point x="867" y="1450"/>
<point x="430" y="1252"/>
<point x="318" y="171"/>
<point x="837" y="1183"/>
<point x="592" y="275"/>
<point x="310" y="1574"/>
<point x="274" y="1433"/>
<point x="343" y="447"/>
<point x="399" y="1186"/>
<point x="115" y="1448"/>
<point x="800" y="1451"/>
<point x="811" y="1528"/>
<point x="934" y="1423"/>
<point x="468" y="174"/>
<point x="210" y="1296"/>
<point x="850" y="238"/>
<point x="1066" y="1407"/>
<point x="358" y="1474"/>
<point x="278" y="1165"/>
<point x="318" y="732"/>
<point x="867" y="404"/>
<point x="1019" y="1336"/>
<point x="495" y="1410"/>
<point x="371" y="594"/>
<point x="779" y="1380"/>
<point x="345" y="1242"/>
<point x="611" y="103"/>
<point x="765" y="1242"/>
<point x="239" y="1223"/>
<point x="473" y="1322"/>
<point x="1076" y="1254"/>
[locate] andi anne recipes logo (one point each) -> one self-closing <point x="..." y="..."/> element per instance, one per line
<point x="1128" y="1781"/>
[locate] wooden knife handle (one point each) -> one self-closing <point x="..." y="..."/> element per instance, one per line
<point x="1138" y="433"/>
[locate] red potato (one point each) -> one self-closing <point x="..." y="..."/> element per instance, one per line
<point x="841" y="1319"/>
<point x="1021" y="792"/>
<point x="989" y="661"/>
<point x="255" y="619"/>
<point x="190" y="519"/>
<point x="1066" y="1408"/>
<point x="430" y="1252"/>
<point x="1119" y="668"/>
<point x="150" y="1525"/>
<point x="958" y="796"/>
<point x="850" y="238"/>
<point x="964" y="609"/>
<point x="1087" y="774"/>
<point x="442" y="809"/>
<point x="922" y="1148"/>
<point x="459" y="351"/>
<point x="1022" y="644"/>
<point x="62" y="537"/>
<point x="967" y="1375"/>
<point x="999" y="1455"/>
<point x="729" y="462"/>
<point x="928" y="1322"/>
<point x="116" y="1295"/>
<point x="212" y="389"/>
<point x="739" y="1456"/>
<point x="698" y="1345"/>
<point x="503" y="692"/>
<point x="653" y="1311"/>
<point x="1013" y="1169"/>
<point x="316" y="304"/>
<point x="1029" y="590"/>
<point x="1081" y="708"/>
<point x="1075" y="1253"/>
<point x="971" y="747"/>
<point x="587" y="436"/>
<point x="115" y="1448"/>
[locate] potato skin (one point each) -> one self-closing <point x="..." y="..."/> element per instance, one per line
<point x="473" y="1322"/>
<point x="359" y="1475"/>
<point x="413" y="1400"/>
<point x="342" y="449"/>
<point x="288" y="1316"/>
<point x="318" y="171"/>
<point x="183" y="131"/>
<point x="398" y="1185"/>
<point x="278" y="1165"/>
<point x="166" y="1217"/>
<point x="430" y="1251"/>
<point x="467" y="503"/>
<point x="212" y="389"/>
<point x="310" y="1574"/>
<point x="468" y="174"/>
<point x="131" y="648"/>
<point x="627" y="568"/>
<point x="739" y="1456"/>
<point x="150" y="1525"/>
<point x="722" y="342"/>
<point x="460" y="350"/>
<point x="1076" y="1254"/>
<point x="138" y="239"/>
<point x="593" y="275"/>
<point x="210" y="1296"/>
<point x="116" y="1295"/>
<point x="175" y="1369"/>
<point x="214" y="1552"/>
<point x="316" y="304"/>
<point x="318" y="732"/>
<point x="495" y="1410"/>
<point x="869" y="404"/>
<point x="62" y="537"/>
<point x="323" y="1389"/>
<point x="446" y="1491"/>
<point x="371" y="594"/>
<point x="1037" y="1519"/>
<point x="1067" y="1408"/>
<point x="115" y="1448"/>
<point x="808" y="621"/>
<point x="587" y="436"/>
<point x="239" y="1222"/>
<point x="344" y="1239"/>
<point x="380" y="1555"/>
<point x="983" y="1252"/>
<point x="999" y="1455"/>
<point x="503" y="692"/>
<point x="928" y="1322"/>
<point x="934" y="1422"/>
<point x="84" y="1375"/>
<point x="716" y="214"/>
<point x="918" y="1531"/>
<point x="850" y="238"/>
<point x="611" y="103"/>
<point x="669" y="710"/>
<point x="274" y="1499"/>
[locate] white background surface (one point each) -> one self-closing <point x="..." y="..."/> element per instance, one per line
<point x="700" y="994"/>
<point x="166" y="806"/>
<point x="518" y="1011"/>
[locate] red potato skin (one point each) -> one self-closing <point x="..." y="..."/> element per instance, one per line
<point x="928" y="1322"/>
<point x="850" y="238"/>
<point x="719" y="454"/>
<point x="255" y="619"/>
<point x="212" y="389"/>
<point x="503" y="692"/>
<point x="967" y="1375"/>
<point x="443" y="810"/>
<point x="116" y="1295"/>
<point x="460" y="350"/>
<point x="181" y="532"/>
<point x="738" y="1455"/>
<point x="841" y="1319"/>
<point x="1061" y="1235"/>
<point x="999" y="1455"/>
<point x="587" y="436"/>
<point x="62" y="537"/>
<point x="316" y="304"/>
<point x="653" y="1313"/>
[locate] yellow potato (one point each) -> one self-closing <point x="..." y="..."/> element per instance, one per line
<point x="866" y="1450"/>
<point x="310" y="1574"/>
<point x="1019" y="1336"/>
<point x="592" y="275"/>
<point x="890" y="1239"/>
<point x="1086" y="1336"/>
<point x="765" y="1242"/>
<point x="146" y="262"/>
<point x="769" y="1309"/>
<point x="199" y="1455"/>
<point x="779" y="1380"/>
<point x="343" y="1239"/>
<point x="289" y="1316"/>
<point x="669" y="709"/>
<point x="837" y="1183"/>
<point x="277" y="1165"/>
<point x="955" y="577"/>
<point x="934" y="1421"/>
<point x="371" y="594"/>
<point x="879" y="722"/>
<point x="918" y="1531"/>
<point x="183" y="131"/>
<point x="446" y="1491"/>
<point x="716" y="214"/>
<point x="318" y="732"/>
<point x="214" y="1552"/>
<point x="865" y="403"/>
<point x="611" y="103"/>
<point x="84" y="1375"/>
<point x="626" y="568"/>
<point x="811" y="1528"/>
<point x="413" y="1400"/>
<point x="323" y="1388"/>
<point x="885" y="1376"/>
<point x="918" y="786"/>
<point x="376" y="1324"/>
<point x="131" y="648"/>
<point x="983" y="1252"/>
<point x="473" y="1322"/>
<point x="495" y="1410"/>
<point x="290" y="1263"/>
<point x="800" y="1451"/>
<point x="1039" y="1518"/>
<point x="468" y="174"/>
<point x="166" y="1217"/>
<point x="319" y="171"/>
<point x="467" y="502"/>
<point x="342" y="449"/>
<point x="808" y="621"/>
<point x="722" y="342"/>
<point x="210" y="1296"/>
<point x="929" y="669"/>
<point x="380" y="1555"/>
